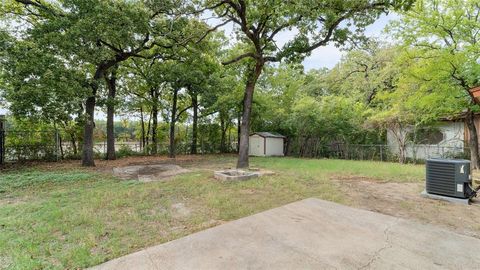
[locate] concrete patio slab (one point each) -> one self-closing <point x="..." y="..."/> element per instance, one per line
<point x="445" y="198"/>
<point x="311" y="234"/>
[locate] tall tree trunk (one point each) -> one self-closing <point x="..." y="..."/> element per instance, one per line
<point x="154" y="131"/>
<point x="148" y="128"/>
<point x="247" y="109"/>
<point x="87" y="149"/>
<point x="402" y="153"/>
<point x="154" y="95"/>
<point x="71" y="134"/>
<point x="112" y="91"/>
<point x="142" y="123"/>
<point x="239" y="124"/>
<point x="89" y="125"/>
<point x="73" y="141"/>
<point x="399" y="132"/>
<point x="60" y="143"/>
<point x="229" y="139"/>
<point x="223" y="127"/>
<point x="222" y="137"/>
<point x="473" y="140"/>
<point x="171" y="148"/>
<point x="193" y="148"/>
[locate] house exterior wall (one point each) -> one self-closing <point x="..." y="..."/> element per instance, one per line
<point x="452" y="143"/>
<point x="274" y="147"/>
<point x="256" y="146"/>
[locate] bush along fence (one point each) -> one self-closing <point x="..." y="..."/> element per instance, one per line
<point x="414" y="153"/>
<point x="30" y="145"/>
<point x="49" y="145"/>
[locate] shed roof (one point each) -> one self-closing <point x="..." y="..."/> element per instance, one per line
<point x="267" y="135"/>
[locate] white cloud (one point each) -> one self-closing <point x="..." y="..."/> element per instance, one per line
<point x="327" y="56"/>
<point x="283" y="37"/>
<point x="377" y="27"/>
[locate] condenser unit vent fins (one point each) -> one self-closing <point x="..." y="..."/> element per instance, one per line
<point x="447" y="177"/>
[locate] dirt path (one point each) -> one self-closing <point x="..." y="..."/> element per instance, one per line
<point x="404" y="200"/>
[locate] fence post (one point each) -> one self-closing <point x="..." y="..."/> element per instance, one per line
<point x="2" y="139"/>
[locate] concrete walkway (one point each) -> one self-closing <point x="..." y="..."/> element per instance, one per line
<point x="311" y="234"/>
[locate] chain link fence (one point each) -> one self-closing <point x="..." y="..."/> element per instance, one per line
<point x="48" y="145"/>
<point x="314" y="148"/>
<point x="181" y="148"/>
<point x="22" y="145"/>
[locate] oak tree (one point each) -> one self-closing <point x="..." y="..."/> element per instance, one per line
<point x="314" y="24"/>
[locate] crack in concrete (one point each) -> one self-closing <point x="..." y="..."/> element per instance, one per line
<point x="151" y="260"/>
<point x="296" y="250"/>
<point x="388" y="245"/>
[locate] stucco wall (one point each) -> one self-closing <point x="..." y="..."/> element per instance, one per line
<point x="452" y="143"/>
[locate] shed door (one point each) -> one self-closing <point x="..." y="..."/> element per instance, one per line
<point x="274" y="147"/>
<point x="255" y="147"/>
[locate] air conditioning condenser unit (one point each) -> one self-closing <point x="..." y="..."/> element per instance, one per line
<point x="449" y="177"/>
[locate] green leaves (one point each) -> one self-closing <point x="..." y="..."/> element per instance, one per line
<point x="445" y="31"/>
<point x="440" y="52"/>
<point x="39" y="84"/>
<point x="332" y="119"/>
<point x="314" y="24"/>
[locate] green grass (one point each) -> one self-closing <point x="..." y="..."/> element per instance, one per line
<point x="74" y="219"/>
<point x="383" y="171"/>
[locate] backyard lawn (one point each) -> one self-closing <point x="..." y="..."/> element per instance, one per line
<point x="64" y="216"/>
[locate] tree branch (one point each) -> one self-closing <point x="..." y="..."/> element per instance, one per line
<point x="238" y="58"/>
<point x="182" y="111"/>
<point x="283" y="26"/>
<point x="39" y="5"/>
<point x="331" y="28"/>
<point x="212" y="30"/>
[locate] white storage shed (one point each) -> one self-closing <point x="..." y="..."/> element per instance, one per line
<point x="266" y="144"/>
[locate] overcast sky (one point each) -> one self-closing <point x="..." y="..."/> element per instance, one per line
<point x="326" y="56"/>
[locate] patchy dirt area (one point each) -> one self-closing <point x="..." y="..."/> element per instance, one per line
<point x="148" y="173"/>
<point x="11" y="201"/>
<point x="180" y="210"/>
<point x="404" y="200"/>
<point x="148" y="169"/>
